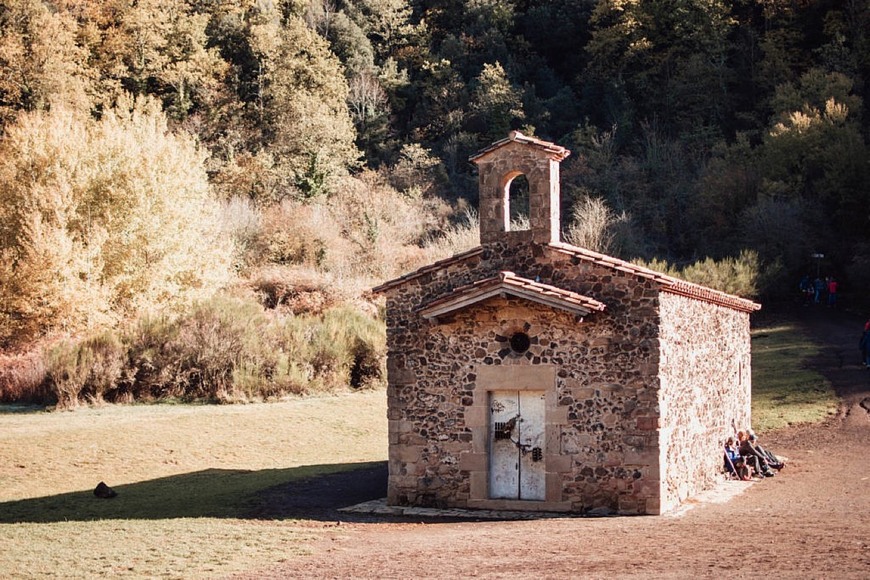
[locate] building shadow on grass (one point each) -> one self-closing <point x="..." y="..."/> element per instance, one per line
<point x="313" y="492"/>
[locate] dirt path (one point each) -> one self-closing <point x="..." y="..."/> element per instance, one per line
<point x="811" y="521"/>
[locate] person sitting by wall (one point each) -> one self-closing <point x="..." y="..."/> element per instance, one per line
<point x="752" y="456"/>
<point x="734" y="463"/>
<point x="771" y="458"/>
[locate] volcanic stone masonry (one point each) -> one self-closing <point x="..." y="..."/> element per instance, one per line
<point x="528" y="374"/>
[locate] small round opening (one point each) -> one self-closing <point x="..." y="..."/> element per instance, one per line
<point x="520" y="342"/>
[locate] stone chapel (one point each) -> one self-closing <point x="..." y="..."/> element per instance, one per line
<point x="530" y="374"/>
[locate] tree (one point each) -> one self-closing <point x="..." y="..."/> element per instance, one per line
<point x="729" y="185"/>
<point x="496" y="104"/>
<point x="370" y="110"/>
<point x="160" y="48"/>
<point x="303" y="104"/>
<point x="102" y="219"/>
<point x="815" y="150"/>
<point x="42" y="63"/>
<point x="668" y="59"/>
<point x="387" y="23"/>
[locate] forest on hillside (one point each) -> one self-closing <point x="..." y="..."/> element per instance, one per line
<point x="178" y="176"/>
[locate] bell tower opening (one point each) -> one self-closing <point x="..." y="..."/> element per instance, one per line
<point x="518" y="203"/>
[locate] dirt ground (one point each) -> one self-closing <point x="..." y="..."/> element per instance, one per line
<point x="810" y="521"/>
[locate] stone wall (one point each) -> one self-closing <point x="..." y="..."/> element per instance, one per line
<point x="602" y="439"/>
<point x="705" y="385"/>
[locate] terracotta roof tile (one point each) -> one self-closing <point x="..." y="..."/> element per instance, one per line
<point x="558" y="151"/>
<point x="667" y="283"/>
<point x="456" y="259"/>
<point x="510" y="283"/>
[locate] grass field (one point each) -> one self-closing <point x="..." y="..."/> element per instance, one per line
<point x="785" y="390"/>
<point x="189" y="477"/>
<point x="186" y="477"/>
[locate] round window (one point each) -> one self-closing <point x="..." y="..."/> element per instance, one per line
<point x="520" y="342"/>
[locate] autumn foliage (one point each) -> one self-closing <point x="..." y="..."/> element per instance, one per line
<point x="163" y="161"/>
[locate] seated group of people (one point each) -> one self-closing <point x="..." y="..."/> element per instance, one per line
<point x="746" y="458"/>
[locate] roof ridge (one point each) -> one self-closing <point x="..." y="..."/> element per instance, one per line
<point x="517" y="137"/>
<point x="669" y="283"/>
<point x="506" y="281"/>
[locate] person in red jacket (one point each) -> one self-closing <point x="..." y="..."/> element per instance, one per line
<point x="832" y="292"/>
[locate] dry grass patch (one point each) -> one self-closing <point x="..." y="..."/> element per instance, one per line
<point x="187" y="478"/>
<point x="176" y="548"/>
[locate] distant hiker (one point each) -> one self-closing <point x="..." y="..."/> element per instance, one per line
<point x="832" y="292"/>
<point x="864" y="346"/>
<point x="818" y="286"/>
<point x="806" y="288"/>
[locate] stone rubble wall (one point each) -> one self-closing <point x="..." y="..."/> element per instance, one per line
<point x="705" y="386"/>
<point x="607" y="381"/>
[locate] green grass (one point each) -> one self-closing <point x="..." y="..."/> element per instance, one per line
<point x="192" y="483"/>
<point x="785" y="390"/>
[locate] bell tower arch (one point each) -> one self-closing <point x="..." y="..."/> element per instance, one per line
<point x="502" y="162"/>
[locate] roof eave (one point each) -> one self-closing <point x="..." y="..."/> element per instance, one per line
<point x="509" y="284"/>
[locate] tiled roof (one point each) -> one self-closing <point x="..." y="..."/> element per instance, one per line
<point x="667" y="283"/>
<point x="508" y="283"/>
<point x="461" y="257"/>
<point x="557" y="151"/>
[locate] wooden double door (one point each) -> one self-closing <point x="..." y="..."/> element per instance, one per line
<point x="516" y="451"/>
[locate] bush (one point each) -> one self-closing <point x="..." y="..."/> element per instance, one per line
<point x="595" y="226"/>
<point x="85" y="371"/>
<point x="342" y="347"/>
<point x="740" y="276"/>
<point x="455" y="238"/>
<point x="297" y="290"/>
<point x="102" y="219"/>
<point x="23" y="378"/>
<point x="193" y="356"/>
<point x="227" y="349"/>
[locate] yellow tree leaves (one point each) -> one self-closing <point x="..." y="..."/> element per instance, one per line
<point x="102" y="219"/>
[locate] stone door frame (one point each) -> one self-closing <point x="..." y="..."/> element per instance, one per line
<point x="517" y="377"/>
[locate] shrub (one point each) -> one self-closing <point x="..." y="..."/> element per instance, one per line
<point x="199" y="351"/>
<point x="298" y="290"/>
<point x="363" y="340"/>
<point x="455" y="238"/>
<point x="84" y="371"/>
<point x="241" y="222"/>
<point x="417" y="172"/>
<point x="297" y="233"/>
<point x="595" y="226"/>
<point x="342" y="347"/>
<point x="227" y="349"/>
<point x="739" y="276"/>
<point x="23" y="378"/>
<point x="151" y="369"/>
